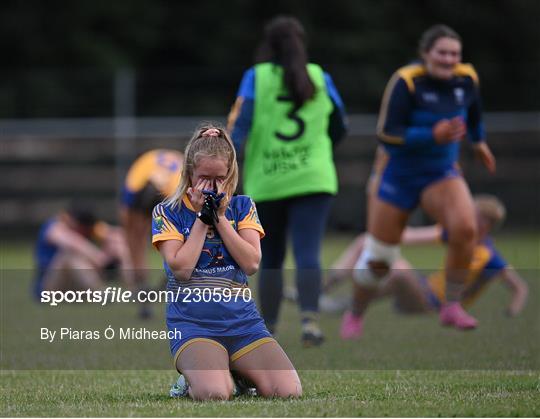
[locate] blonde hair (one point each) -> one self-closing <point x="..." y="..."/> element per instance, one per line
<point x="207" y="144"/>
<point x="490" y="207"/>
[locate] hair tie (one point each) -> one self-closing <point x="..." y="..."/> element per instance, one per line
<point x="211" y="132"/>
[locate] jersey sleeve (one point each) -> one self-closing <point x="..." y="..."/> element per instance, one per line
<point x="241" y="115"/>
<point x="164" y="225"/>
<point x="248" y="217"/>
<point x="475" y="126"/>
<point x="337" y="127"/>
<point x="495" y="264"/>
<point x="394" y="117"/>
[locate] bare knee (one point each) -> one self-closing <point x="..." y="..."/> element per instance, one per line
<point x="464" y="232"/>
<point x="211" y="391"/>
<point x="291" y="389"/>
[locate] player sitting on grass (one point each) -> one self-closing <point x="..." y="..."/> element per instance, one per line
<point x="415" y="293"/>
<point x="210" y="242"/>
<point x="74" y="250"/>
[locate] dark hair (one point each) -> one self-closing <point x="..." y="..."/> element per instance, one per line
<point x="431" y="35"/>
<point x="82" y="213"/>
<point x="284" y="44"/>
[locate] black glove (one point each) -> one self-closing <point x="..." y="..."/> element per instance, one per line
<point x="208" y="213"/>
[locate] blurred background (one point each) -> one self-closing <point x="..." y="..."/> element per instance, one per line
<point x="88" y="86"/>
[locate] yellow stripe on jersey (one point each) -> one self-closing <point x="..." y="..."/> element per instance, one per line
<point x="167" y="231"/>
<point x="187" y="203"/>
<point x="409" y="73"/>
<point x="155" y="166"/>
<point x="437" y="280"/>
<point x="156" y="238"/>
<point x="251" y="221"/>
<point x="463" y="69"/>
<point x="391" y="139"/>
<point x="233" y="114"/>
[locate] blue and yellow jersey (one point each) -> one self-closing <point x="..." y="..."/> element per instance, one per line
<point x="215" y="268"/>
<point x="486" y="264"/>
<point x="161" y="168"/>
<point x="413" y="103"/>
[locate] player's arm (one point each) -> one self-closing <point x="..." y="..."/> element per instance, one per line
<point x="345" y="264"/>
<point x="475" y="128"/>
<point x="115" y="246"/>
<point x="337" y="126"/>
<point x="241" y="115"/>
<point x="422" y="235"/>
<point x="62" y="236"/>
<point x="394" y="114"/>
<point x="393" y="126"/>
<point x="244" y="245"/>
<point x="519" y="289"/>
<point x="182" y="257"/>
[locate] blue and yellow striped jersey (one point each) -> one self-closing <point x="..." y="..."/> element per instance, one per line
<point x="486" y="264"/>
<point x="215" y="269"/>
<point x="413" y="103"/>
<point x="162" y="168"/>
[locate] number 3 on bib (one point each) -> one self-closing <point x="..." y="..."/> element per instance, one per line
<point x="300" y="124"/>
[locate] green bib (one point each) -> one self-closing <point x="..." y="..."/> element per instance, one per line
<point x="288" y="153"/>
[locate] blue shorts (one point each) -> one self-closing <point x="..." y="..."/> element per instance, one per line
<point x="236" y="346"/>
<point x="405" y="191"/>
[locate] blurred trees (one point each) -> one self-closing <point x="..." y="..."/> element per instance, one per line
<point x="60" y="56"/>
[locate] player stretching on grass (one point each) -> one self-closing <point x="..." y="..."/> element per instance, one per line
<point x="74" y="250"/>
<point x="415" y="293"/>
<point x="210" y="243"/>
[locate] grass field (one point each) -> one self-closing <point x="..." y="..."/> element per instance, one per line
<point x="403" y="366"/>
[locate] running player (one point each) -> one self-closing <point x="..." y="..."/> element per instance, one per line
<point x="210" y="242"/>
<point x="427" y="109"/>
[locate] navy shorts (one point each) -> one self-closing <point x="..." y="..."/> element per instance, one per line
<point x="405" y="191"/>
<point x="235" y="345"/>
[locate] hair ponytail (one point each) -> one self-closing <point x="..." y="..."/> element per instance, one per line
<point x="284" y="44"/>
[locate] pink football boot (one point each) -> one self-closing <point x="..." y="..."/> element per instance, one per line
<point x="452" y="314"/>
<point x="351" y="326"/>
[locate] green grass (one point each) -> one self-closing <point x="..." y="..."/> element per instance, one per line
<point x="326" y="393"/>
<point x="404" y="365"/>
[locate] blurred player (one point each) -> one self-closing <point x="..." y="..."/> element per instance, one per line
<point x="74" y="250"/>
<point x="427" y="110"/>
<point x="209" y="239"/>
<point x="415" y="293"/>
<point x="289" y="115"/>
<point x="150" y="179"/>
